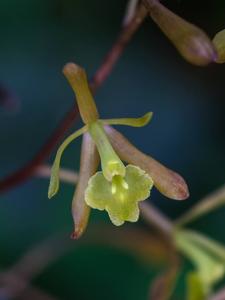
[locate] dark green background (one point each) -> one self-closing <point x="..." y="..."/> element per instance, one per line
<point x="187" y="132"/>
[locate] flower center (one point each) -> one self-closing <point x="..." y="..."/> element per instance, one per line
<point x="119" y="185"/>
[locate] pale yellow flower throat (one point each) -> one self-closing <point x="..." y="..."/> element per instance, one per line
<point x="119" y="185"/>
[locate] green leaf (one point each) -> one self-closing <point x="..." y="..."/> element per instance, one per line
<point x="54" y="180"/>
<point x="121" y="196"/>
<point x="134" y="122"/>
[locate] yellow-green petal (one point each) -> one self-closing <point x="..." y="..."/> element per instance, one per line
<point x="54" y="180"/>
<point x="133" y="122"/>
<point x="121" y="196"/>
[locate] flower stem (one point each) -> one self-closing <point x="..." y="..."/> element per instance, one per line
<point x="204" y="206"/>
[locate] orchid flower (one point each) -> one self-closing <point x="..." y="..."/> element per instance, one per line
<point x="207" y="256"/>
<point x="117" y="188"/>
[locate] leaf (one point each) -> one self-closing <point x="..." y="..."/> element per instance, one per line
<point x="88" y="164"/>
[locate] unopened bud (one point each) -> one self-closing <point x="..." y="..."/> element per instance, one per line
<point x="191" y="42"/>
<point x="219" y="43"/>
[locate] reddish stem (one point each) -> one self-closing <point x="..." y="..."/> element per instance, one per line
<point x="28" y="170"/>
<point x="118" y="47"/>
<point x="99" y="78"/>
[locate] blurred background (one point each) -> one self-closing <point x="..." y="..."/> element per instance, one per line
<point x="186" y="134"/>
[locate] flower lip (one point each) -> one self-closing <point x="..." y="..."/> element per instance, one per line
<point x="121" y="196"/>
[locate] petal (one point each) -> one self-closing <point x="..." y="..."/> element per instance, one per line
<point x="115" y="219"/>
<point x="98" y="191"/>
<point x="139" y="182"/>
<point x="134" y="122"/>
<point x="119" y="213"/>
<point x="169" y="183"/>
<point x="54" y="180"/>
<point x="118" y="219"/>
<point x="88" y="164"/>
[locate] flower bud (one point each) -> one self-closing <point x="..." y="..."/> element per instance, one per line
<point x="219" y="43"/>
<point x="192" y="42"/>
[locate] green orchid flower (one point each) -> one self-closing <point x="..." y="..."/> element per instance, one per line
<point x="207" y="256"/>
<point x="117" y="188"/>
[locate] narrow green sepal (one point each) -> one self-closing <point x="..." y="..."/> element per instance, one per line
<point x="134" y="122"/>
<point x="54" y="180"/>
